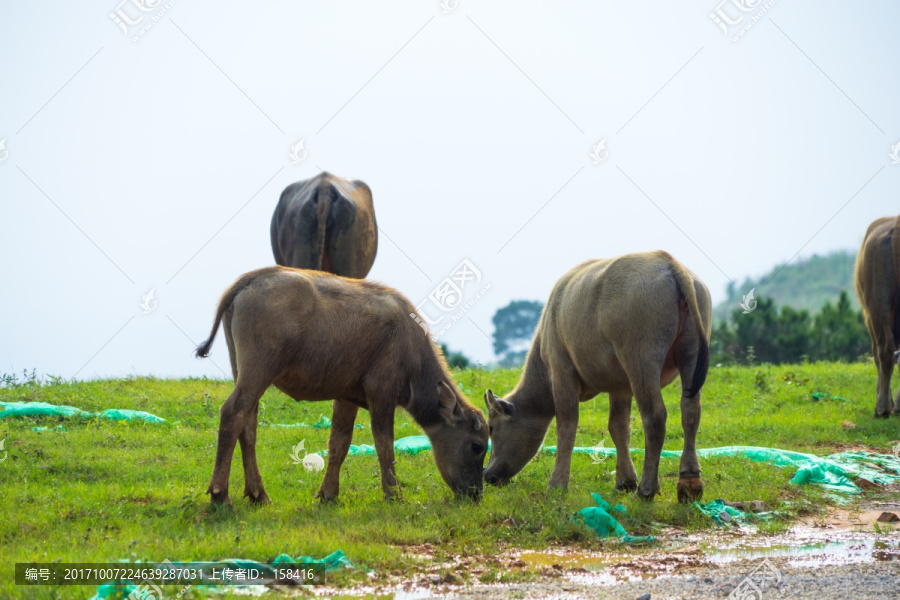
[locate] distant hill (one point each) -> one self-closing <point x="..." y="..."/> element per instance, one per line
<point x="807" y="283"/>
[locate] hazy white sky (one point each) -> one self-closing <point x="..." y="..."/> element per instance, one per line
<point x="157" y="163"/>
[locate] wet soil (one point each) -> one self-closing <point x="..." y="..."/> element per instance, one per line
<point x="844" y="555"/>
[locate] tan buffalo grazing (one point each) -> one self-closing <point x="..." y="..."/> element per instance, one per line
<point x="878" y="288"/>
<point x="317" y="336"/>
<point x="326" y="223"/>
<point x="627" y="326"/>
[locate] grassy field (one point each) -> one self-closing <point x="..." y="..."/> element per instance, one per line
<point x="104" y="491"/>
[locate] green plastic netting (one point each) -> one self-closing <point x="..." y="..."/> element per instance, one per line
<point x="832" y="472"/>
<point x="599" y="519"/>
<point x="724" y="515"/>
<point x="43" y="409"/>
<point x="824" y="396"/>
<point x="413" y="444"/>
<point x="322" y="423"/>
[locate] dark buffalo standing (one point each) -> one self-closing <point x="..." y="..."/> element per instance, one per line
<point x="316" y="336"/>
<point x="627" y="326"/>
<point x="878" y="288"/>
<point x="326" y="223"/>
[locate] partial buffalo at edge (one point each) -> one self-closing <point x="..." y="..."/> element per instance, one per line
<point x="878" y="287"/>
<point x="326" y="223"/>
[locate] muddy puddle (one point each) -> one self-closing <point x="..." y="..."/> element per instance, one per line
<point x="813" y="554"/>
<point x="802" y="548"/>
<point x="842" y="540"/>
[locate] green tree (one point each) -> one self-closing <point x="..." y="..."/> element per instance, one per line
<point x="792" y="335"/>
<point x="723" y="345"/>
<point x="457" y="360"/>
<point x="758" y="329"/>
<point x="776" y="337"/>
<point x="514" y="326"/>
<point x="839" y="332"/>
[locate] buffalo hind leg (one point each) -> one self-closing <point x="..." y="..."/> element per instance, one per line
<point x="644" y="374"/>
<point x="343" y="416"/>
<point x="383" y="431"/>
<point x="565" y="399"/>
<point x="253" y="485"/>
<point x="233" y="417"/>
<point x="884" y="358"/>
<point x="620" y="431"/>
<point x="690" y="486"/>
<point x="896" y="360"/>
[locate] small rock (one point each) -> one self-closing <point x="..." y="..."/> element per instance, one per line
<point x="707" y="580"/>
<point x="435" y="579"/>
<point x="848" y="425"/>
<point x="867" y="485"/>
<point x="644" y="597"/>
<point x="888" y="517"/>
<point x="725" y="516"/>
<point x="749" y="506"/>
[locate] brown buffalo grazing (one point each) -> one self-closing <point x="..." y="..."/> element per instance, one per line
<point x="878" y="288"/>
<point x="627" y="326"/>
<point x="326" y="223"/>
<point x="317" y="336"/>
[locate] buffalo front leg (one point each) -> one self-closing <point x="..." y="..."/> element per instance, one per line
<point x="690" y="487"/>
<point x="565" y="399"/>
<point x="383" y="432"/>
<point x="620" y="431"/>
<point x="343" y="416"/>
<point x="253" y="485"/>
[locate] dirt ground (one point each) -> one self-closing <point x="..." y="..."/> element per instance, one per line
<point x="845" y="555"/>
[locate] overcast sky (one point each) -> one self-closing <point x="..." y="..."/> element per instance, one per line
<point x="157" y="163"/>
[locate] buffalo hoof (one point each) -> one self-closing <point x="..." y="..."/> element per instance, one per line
<point x="627" y="486"/>
<point x="219" y="496"/>
<point x="259" y="498"/>
<point x="883" y="411"/>
<point x="392" y="495"/>
<point x="689" y="489"/>
<point x="646" y="495"/>
<point x="492" y="479"/>
<point x="558" y="487"/>
<point x="326" y="498"/>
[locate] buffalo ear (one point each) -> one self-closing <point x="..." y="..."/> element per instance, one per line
<point x="497" y="406"/>
<point x="450" y="410"/>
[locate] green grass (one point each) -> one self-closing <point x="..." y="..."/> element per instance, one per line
<point x="107" y="491"/>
